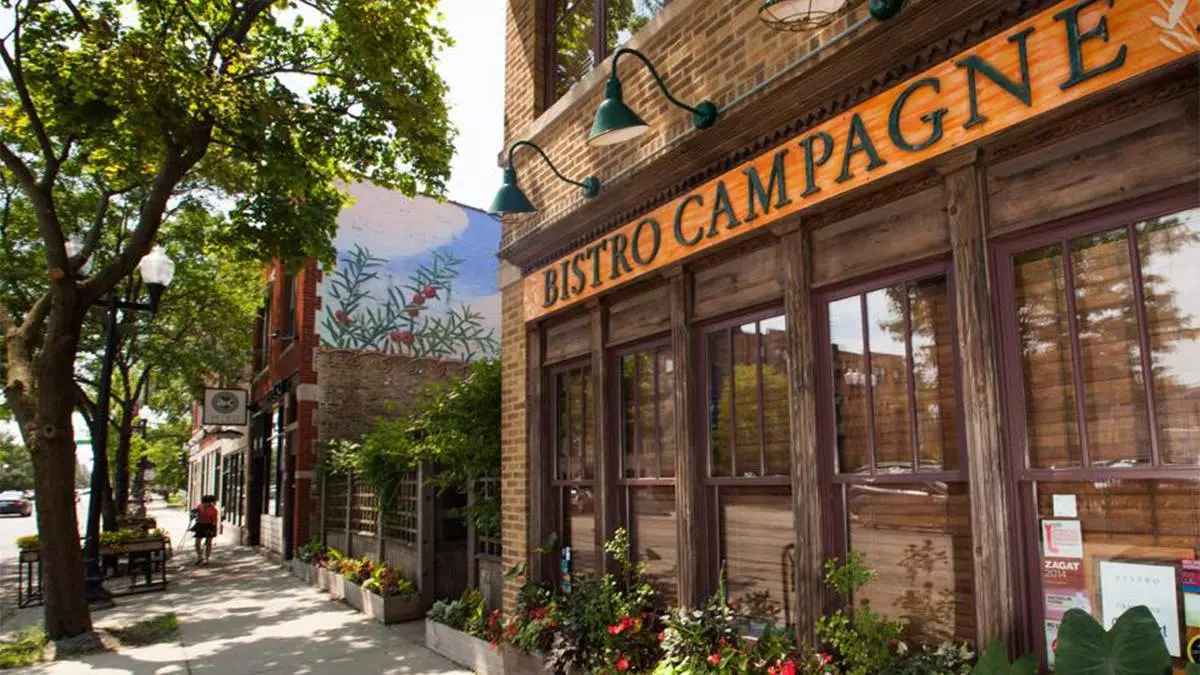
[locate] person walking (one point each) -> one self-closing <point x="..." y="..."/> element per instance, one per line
<point x="205" y="528"/>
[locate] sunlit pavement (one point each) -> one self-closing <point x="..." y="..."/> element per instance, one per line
<point x="241" y="614"/>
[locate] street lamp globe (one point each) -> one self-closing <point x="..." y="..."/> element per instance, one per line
<point x="157" y="268"/>
<point x="157" y="271"/>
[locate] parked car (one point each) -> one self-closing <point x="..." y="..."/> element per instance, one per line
<point x="14" y="501"/>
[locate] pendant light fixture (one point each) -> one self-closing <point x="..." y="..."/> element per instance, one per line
<point x="511" y="199"/>
<point x="616" y="122"/>
<point x="798" y="16"/>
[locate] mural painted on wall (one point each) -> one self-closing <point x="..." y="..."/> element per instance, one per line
<point x="413" y="277"/>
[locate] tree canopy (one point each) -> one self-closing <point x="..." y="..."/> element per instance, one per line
<point x="120" y="117"/>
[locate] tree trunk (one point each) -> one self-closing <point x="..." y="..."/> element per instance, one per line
<point x="108" y="512"/>
<point x="121" y="460"/>
<point x="44" y="415"/>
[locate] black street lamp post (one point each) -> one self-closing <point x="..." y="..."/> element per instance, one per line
<point x="157" y="271"/>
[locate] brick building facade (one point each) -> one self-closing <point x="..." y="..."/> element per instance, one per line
<point x="917" y="230"/>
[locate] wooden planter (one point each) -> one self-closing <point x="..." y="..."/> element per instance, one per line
<point x="353" y="594"/>
<point x="303" y="571"/>
<point x="465" y="650"/>
<point x="134" y="546"/>
<point x="392" y="609"/>
<point x="337" y="585"/>
<point x="517" y="662"/>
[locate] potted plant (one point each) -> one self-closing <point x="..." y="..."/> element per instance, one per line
<point x="390" y="598"/>
<point x="462" y="631"/>
<point x="303" y="566"/>
<point x="354" y="574"/>
<point x="335" y="561"/>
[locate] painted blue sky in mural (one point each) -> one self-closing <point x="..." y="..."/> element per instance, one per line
<point x="413" y="276"/>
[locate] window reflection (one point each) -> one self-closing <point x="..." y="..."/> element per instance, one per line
<point x="1170" y="260"/>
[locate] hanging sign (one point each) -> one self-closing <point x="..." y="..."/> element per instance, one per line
<point x="1124" y="585"/>
<point x="1065" y="54"/>
<point x="225" y="407"/>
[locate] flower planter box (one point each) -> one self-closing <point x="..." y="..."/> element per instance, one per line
<point x="353" y="594"/>
<point x="465" y="650"/>
<point x="337" y="586"/>
<point x="134" y="546"/>
<point x="517" y="662"/>
<point x="392" y="609"/>
<point x="323" y="578"/>
<point x="303" y="571"/>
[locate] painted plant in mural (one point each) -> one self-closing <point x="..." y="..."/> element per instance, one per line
<point x="417" y="317"/>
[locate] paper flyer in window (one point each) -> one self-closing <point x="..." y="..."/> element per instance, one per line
<point x="1062" y="539"/>
<point x="1064" y="587"/>
<point x="1124" y="585"/>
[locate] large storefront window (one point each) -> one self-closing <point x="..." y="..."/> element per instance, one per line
<point x="898" y="483"/>
<point x="578" y="46"/>
<point x="575" y="468"/>
<point x="749" y="462"/>
<point x="1104" y="323"/>
<point x="648" y="463"/>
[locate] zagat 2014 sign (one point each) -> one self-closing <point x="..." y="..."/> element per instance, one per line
<point x="1064" y="54"/>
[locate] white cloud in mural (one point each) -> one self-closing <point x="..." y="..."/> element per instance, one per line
<point x="391" y="225"/>
<point x="488" y="306"/>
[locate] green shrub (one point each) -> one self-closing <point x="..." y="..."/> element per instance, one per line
<point x="467" y="614"/>
<point x="388" y="582"/>
<point x="863" y="641"/>
<point x="310" y="551"/>
<point x="158" y="628"/>
<point x="27" y="542"/>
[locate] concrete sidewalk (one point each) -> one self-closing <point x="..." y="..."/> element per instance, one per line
<point x="241" y="614"/>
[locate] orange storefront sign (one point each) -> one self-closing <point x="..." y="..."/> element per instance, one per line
<point x="1068" y="52"/>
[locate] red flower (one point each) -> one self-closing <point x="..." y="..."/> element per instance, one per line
<point x="660" y="636"/>
<point x="615" y="629"/>
<point x="789" y="668"/>
<point x="417" y="299"/>
<point x="342" y="318"/>
<point x="402" y="336"/>
<point x="825" y="658"/>
<point x="414" y="312"/>
<point x="430" y="291"/>
<point x="714" y="658"/>
<point x="539" y="612"/>
<point x="622" y="662"/>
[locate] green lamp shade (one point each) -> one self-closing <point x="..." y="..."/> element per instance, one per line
<point x="615" y="122"/>
<point x="509" y="198"/>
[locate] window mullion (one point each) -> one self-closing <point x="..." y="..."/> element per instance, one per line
<point x="638" y="471"/>
<point x="732" y="405"/>
<point x="868" y="382"/>
<point x="658" y="434"/>
<point x="1139" y="303"/>
<point x="762" y="418"/>
<point x="1076" y="356"/>
<point x="601" y="31"/>
<point x="911" y="380"/>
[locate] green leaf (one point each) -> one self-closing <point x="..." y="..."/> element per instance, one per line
<point x="1134" y="645"/>
<point x="994" y="661"/>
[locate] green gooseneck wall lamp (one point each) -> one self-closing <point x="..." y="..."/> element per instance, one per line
<point x="510" y="199"/>
<point x="617" y="123"/>
<point x="882" y="10"/>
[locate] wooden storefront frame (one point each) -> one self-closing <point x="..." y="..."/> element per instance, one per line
<point x="1026" y="569"/>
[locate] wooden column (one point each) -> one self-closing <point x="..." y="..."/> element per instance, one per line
<point x="607" y="467"/>
<point x="688" y="486"/>
<point x="987" y="460"/>
<point x="802" y="413"/>
<point x="426" y="535"/>
<point x="349" y="511"/>
<point x="541" y="497"/>
<point x="472" y="541"/>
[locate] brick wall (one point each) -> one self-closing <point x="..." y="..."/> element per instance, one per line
<point x="514" y="456"/>
<point x="705" y="49"/>
<point x="356" y="387"/>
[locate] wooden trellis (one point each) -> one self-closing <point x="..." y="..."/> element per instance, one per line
<point x="336" y="501"/>
<point x="401" y="522"/>
<point x="364" y="508"/>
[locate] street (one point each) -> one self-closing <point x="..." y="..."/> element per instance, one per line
<point x="171" y="521"/>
